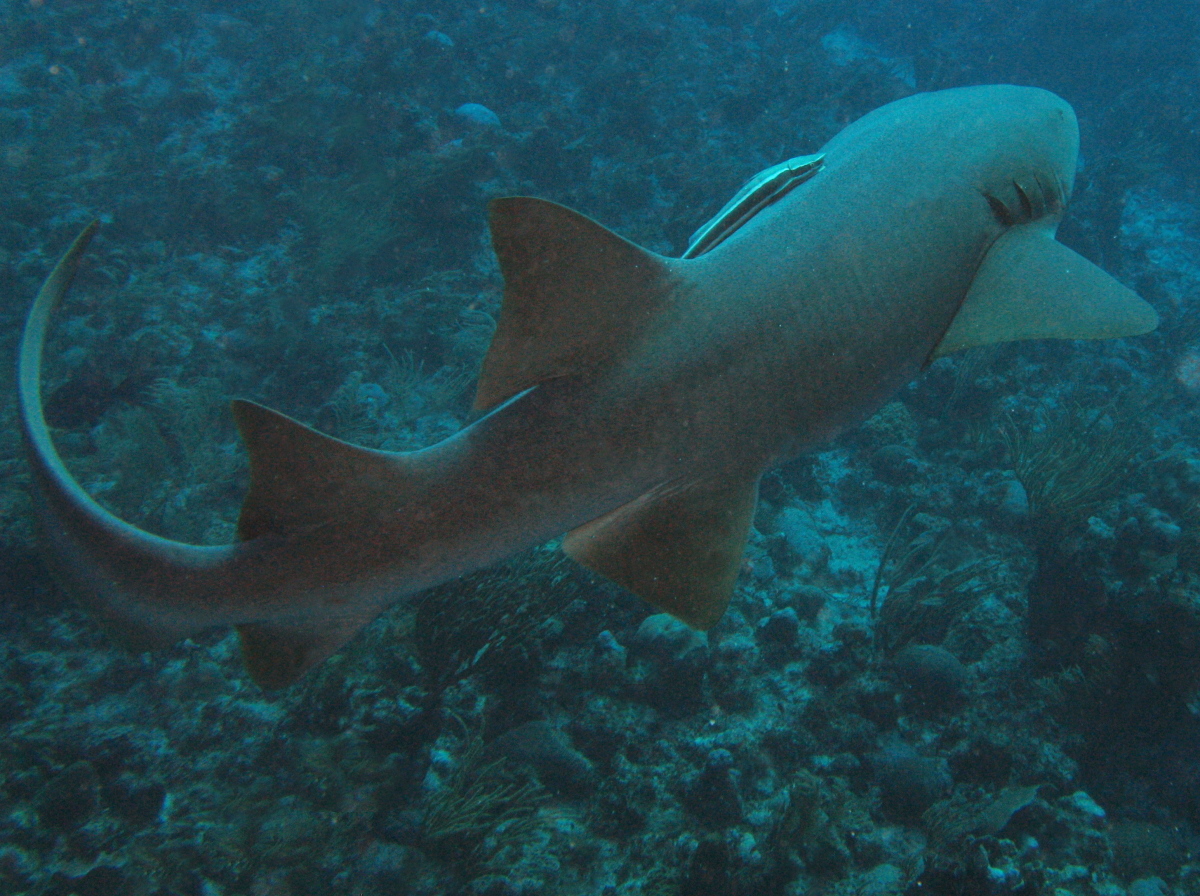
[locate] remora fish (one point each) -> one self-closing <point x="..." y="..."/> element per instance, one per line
<point x="633" y="401"/>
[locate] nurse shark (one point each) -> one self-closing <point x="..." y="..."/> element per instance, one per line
<point x="629" y="402"/>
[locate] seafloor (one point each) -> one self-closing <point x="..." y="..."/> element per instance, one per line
<point x="963" y="655"/>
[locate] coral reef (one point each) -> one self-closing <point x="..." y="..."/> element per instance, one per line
<point x="962" y="657"/>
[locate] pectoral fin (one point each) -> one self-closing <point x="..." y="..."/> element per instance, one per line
<point x="1030" y="286"/>
<point x="679" y="549"/>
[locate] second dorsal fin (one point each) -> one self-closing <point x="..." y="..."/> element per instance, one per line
<point x="301" y="478"/>
<point x="575" y="295"/>
<point x="303" y="481"/>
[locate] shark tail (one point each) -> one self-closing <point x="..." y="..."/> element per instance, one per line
<point x="150" y="591"/>
<point x="122" y="573"/>
<point x="576" y="297"/>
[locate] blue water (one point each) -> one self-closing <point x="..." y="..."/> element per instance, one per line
<point x="962" y="655"/>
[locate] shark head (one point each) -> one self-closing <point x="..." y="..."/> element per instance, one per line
<point x="1014" y="147"/>
<point x="1029" y="172"/>
<point x="1029" y="286"/>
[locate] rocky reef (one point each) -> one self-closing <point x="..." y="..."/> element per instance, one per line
<point x="962" y="657"/>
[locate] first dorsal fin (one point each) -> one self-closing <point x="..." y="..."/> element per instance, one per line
<point x="1030" y="286"/>
<point x="301" y="478"/>
<point x="679" y="549"/>
<point x="575" y="294"/>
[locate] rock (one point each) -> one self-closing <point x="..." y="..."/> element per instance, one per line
<point x="102" y="880"/>
<point x="669" y="666"/>
<point x="478" y="115"/>
<point x="802" y="542"/>
<point x="713" y="796"/>
<point x="781" y="627"/>
<point x="896" y="464"/>
<point x="138" y="802"/>
<point x="1149" y="886"/>
<point x="909" y="783"/>
<point x="1162" y="532"/>
<point x="1013" y="501"/>
<point x="807" y="600"/>
<point x="762" y="568"/>
<point x="1082" y="803"/>
<point x="70" y="798"/>
<point x="438" y="39"/>
<point x="882" y="880"/>
<point x="389" y="866"/>
<point x="666" y="639"/>
<point x="994" y="818"/>
<point x="559" y="766"/>
<point x="609" y="653"/>
<point x="931" y="676"/>
<point x="398" y="825"/>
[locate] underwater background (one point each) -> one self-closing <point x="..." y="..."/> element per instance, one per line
<point x="964" y="652"/>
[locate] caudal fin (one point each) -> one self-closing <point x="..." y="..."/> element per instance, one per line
<point x="143" y="588"/>
<point x="153" y="591"/>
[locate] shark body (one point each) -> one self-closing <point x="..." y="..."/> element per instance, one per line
<point x="630" y="401"/>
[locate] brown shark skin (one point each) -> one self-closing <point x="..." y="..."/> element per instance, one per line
<point x="842" y="290"/>
<point x="800" y="324"/>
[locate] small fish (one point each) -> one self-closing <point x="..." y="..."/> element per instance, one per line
<point x="629" y="400"/>
<point x="766" y="187"/>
